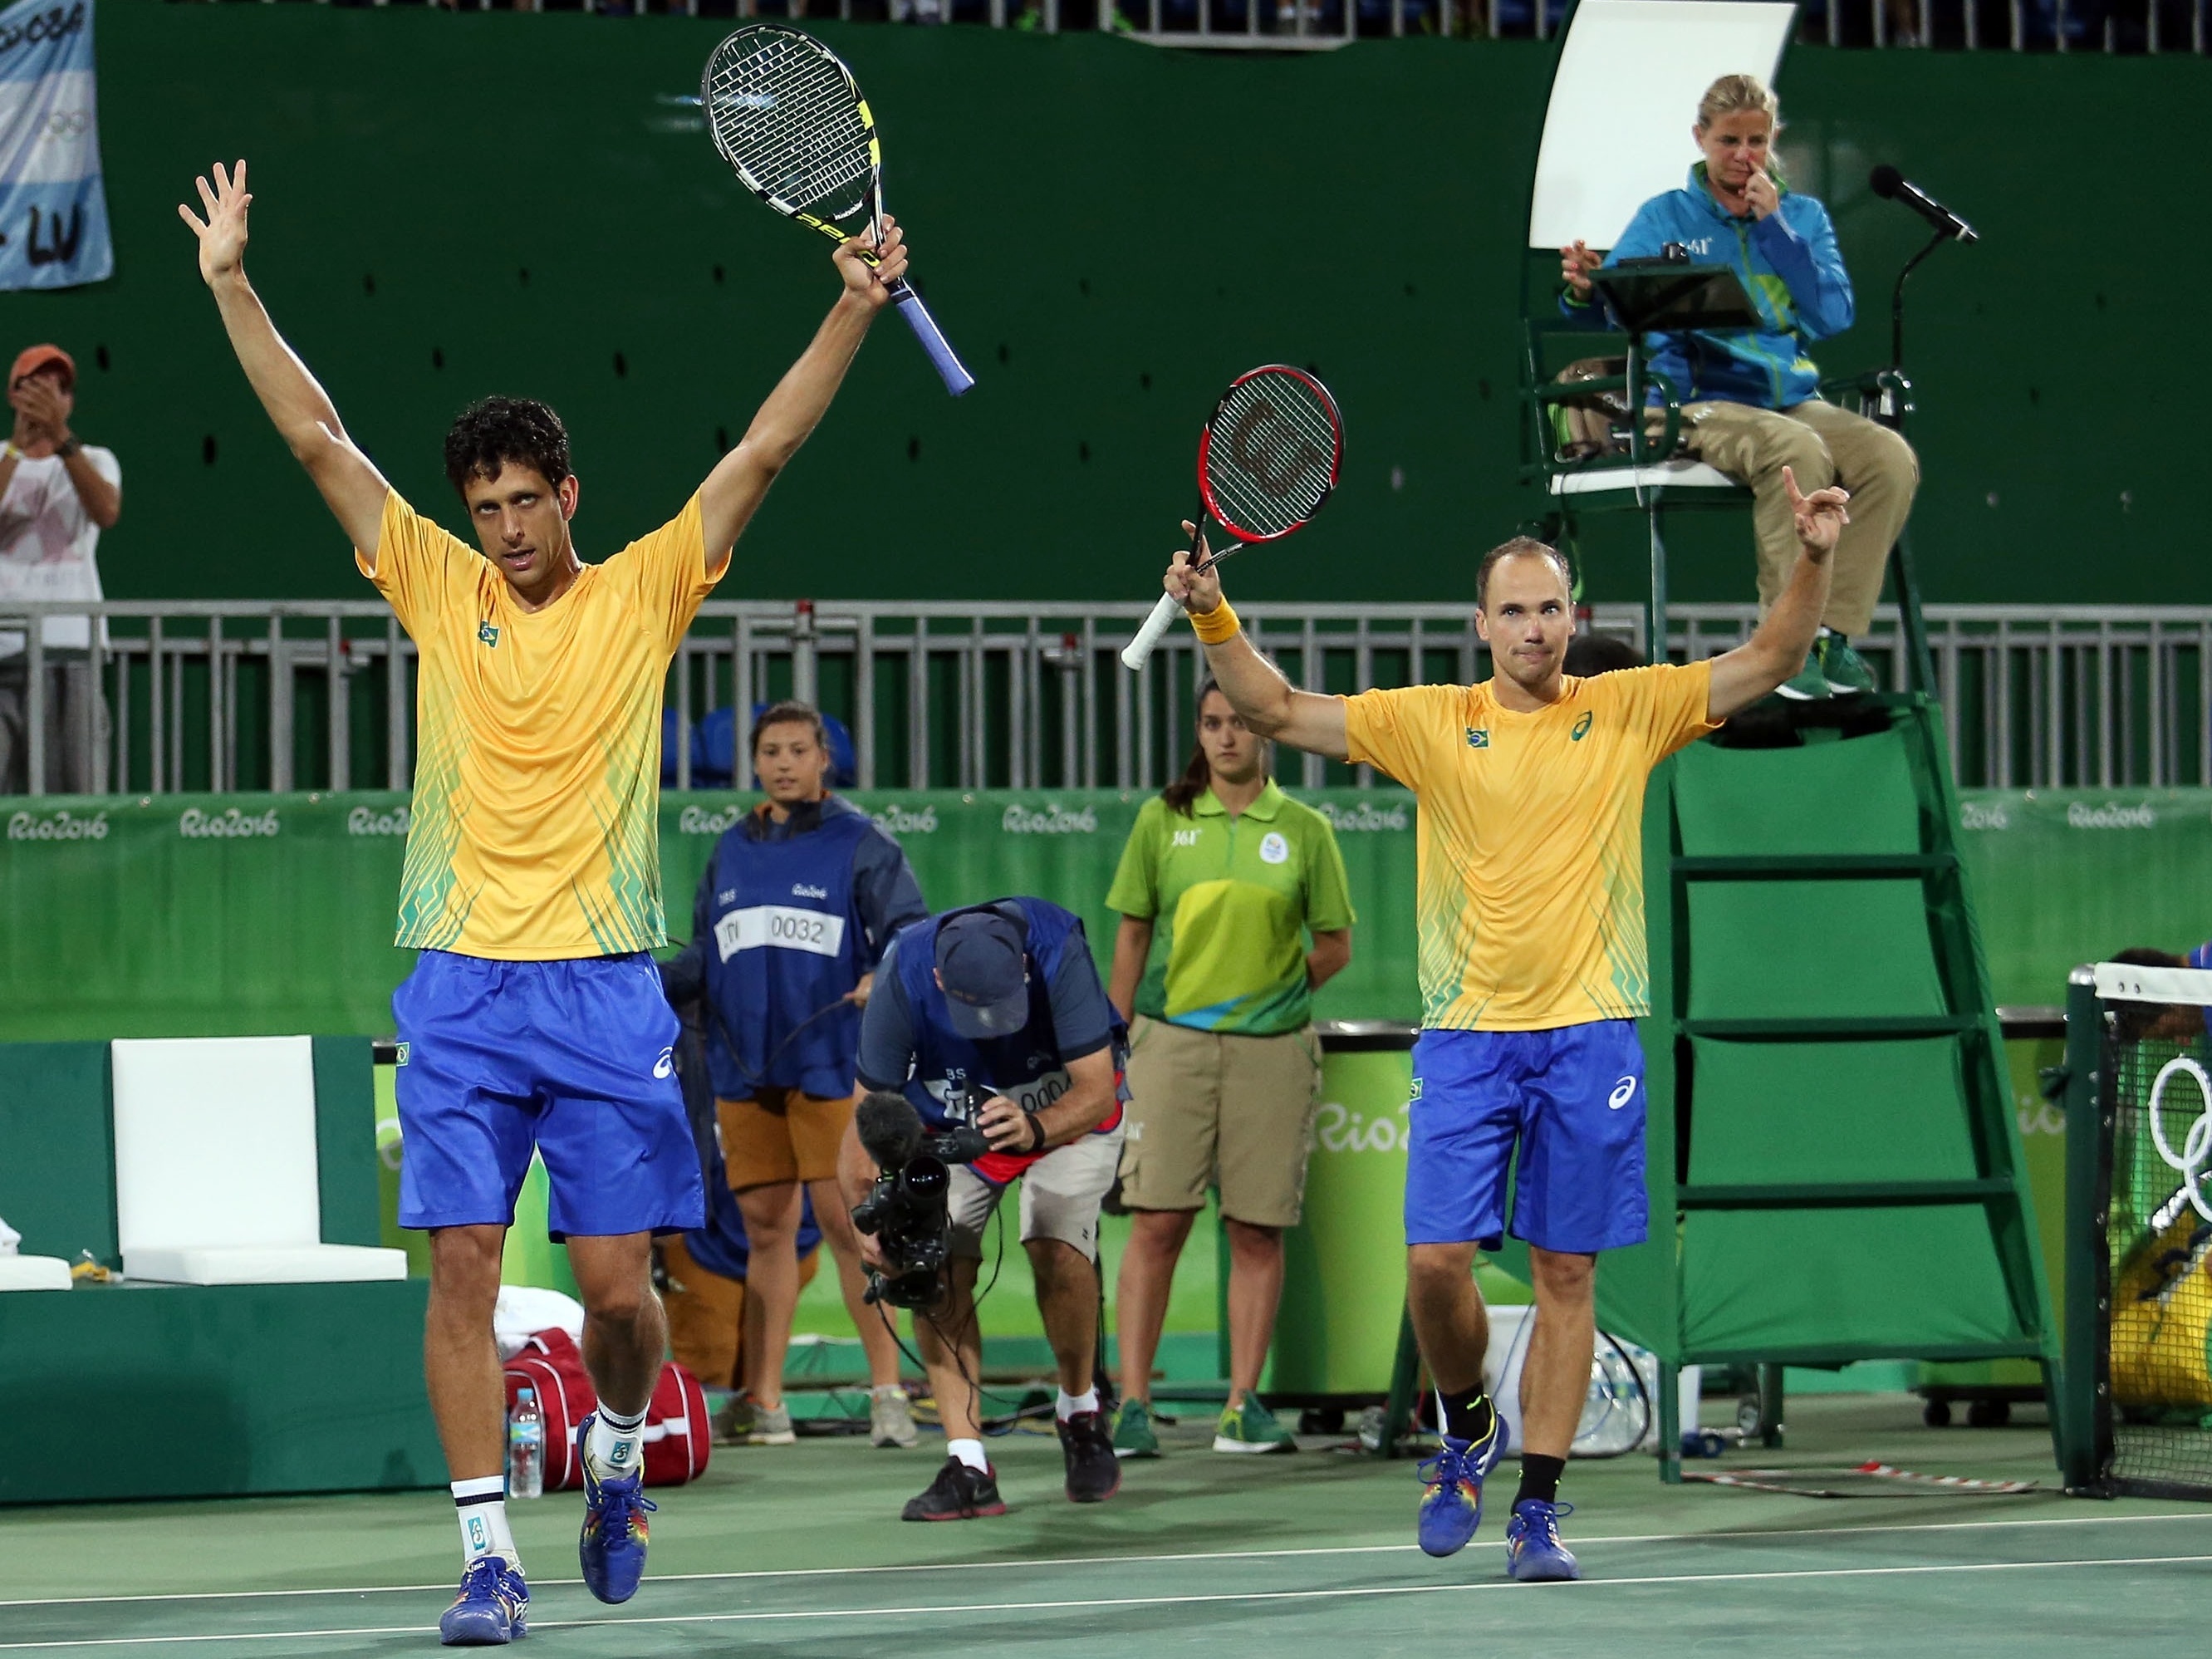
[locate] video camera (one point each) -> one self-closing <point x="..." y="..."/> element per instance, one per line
<point x="908" y="1213"/>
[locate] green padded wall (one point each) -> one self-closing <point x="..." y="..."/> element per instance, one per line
<point x="144" y="930"/>
<point x="453" y="204"/>
<point x="141" y="931"/>
<point x="191" y="1391"/>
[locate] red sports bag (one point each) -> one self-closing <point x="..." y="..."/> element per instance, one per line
<point x="675" y="1431"/>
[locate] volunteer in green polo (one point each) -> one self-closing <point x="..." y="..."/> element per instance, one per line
<point x="1223" y="880"/>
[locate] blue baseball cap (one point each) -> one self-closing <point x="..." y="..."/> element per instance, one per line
<point x="985" y="974"/>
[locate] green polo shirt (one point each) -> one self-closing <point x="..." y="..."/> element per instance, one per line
<point x="1230" y="900"/>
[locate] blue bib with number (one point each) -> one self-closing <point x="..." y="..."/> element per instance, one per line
<point x="783" y="947"/>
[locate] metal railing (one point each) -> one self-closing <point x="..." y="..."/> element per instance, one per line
<point x="232" y="696"/>
<point x="2106" y="25"/>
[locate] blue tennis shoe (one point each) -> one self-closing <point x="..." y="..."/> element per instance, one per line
<point x="493" y="1607"/>
<point x="611" y="1548"/>
<point x="1534" y="1553"/>
<point x="1451" y="1508"/>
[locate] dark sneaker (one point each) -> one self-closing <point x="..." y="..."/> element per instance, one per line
<point x="611" y="1547"/>
<point x="493" y="1607"/>
<point x="1251" y="1427"/>
<point x="1451" y="1501"/>
<point x="1094" y="1473"/>
<point x="1807" y="685"/>
<point x="958" y="1493"/>
<point x="1842" y="669"/>
<point x="1534" y="1553"/>
<point x="1132" y="1431"/>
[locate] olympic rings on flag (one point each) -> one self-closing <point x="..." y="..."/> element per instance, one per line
<point x="2194" y="1144"/>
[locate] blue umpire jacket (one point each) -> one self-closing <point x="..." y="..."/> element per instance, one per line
<point x="1790" y="265"/>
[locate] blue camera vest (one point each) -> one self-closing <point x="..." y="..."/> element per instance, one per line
<point x="1025" y="1067"/>
<point x="785" y="941"/>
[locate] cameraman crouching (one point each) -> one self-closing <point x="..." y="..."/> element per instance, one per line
<point x="995" y="1016"/>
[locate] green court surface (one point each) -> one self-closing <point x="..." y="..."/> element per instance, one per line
<point x="799" y="1552"/>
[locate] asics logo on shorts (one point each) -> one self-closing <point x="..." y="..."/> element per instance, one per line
<point x="1623" y="1092"/>
<point x="666" y="1065"/>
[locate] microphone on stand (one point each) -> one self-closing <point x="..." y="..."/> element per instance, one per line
<point x="1892" y="185"/>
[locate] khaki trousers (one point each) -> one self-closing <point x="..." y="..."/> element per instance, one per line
<point x="1822" y="445"/>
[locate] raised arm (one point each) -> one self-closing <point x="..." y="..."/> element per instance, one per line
<point x="734" y="489"/>
<point x="300" y="409"/>
<point x="1255" y="687"/>
<point x="1778" y="649"/>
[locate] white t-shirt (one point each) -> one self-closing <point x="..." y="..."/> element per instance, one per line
<point x="47" y="543"/>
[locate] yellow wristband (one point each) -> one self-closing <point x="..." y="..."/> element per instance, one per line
<point x="8" y="452"/>
<point x="1215" y="626"/>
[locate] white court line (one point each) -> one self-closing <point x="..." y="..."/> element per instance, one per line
<point x="1128" y="1560"/>
<point x="1347" y="1593"/>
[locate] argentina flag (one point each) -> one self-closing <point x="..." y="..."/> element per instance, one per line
<point x="53" y="214"/>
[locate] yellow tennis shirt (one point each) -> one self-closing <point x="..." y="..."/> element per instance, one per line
<point x="1530" y="839"/>
<point x="534" y="833"/>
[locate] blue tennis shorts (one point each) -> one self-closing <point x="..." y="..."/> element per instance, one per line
<point x="1571" y="1098"/>
<point x="575" y="1060"/>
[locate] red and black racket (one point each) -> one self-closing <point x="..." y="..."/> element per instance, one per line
<point x="1267" y="461"/>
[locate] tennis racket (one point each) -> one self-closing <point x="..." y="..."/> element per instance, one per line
<point x="1267" y="461"/>
<point x="787" y="116"/>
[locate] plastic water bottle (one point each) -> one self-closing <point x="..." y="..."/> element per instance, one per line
<point x="526" y="1447"/>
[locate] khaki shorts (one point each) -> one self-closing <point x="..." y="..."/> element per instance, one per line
<point x="783" y="1135"/>
<point x="1060" y="1195"/>
<point x="1207" y="1109"/>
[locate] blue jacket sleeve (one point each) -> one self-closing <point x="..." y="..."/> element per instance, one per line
<point x="1082" y="1020"/>
<point x="888" y="896"/>
<point x="1805" y="256"/>
<point x="887" y="1044"/>
<point x="683" y="975"/>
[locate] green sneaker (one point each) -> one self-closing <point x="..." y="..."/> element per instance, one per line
<point x="1843" y="668"/>
<point x="1133" y="1429"/>
<point x="1251" y="1427"/>
<point x="1807" y="685"/>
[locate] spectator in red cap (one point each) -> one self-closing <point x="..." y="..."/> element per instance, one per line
<point x="57" y="495"/>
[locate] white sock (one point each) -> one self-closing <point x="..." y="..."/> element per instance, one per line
<point x="969" y="1452"/>
<point x="614" y="1442"/>
<point x="1069" y="1404"/>
<point x="482" y="1506"/>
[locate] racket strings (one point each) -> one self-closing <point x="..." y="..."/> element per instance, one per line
<point x="784" y="116"/>
<point x="1271" y="454"/>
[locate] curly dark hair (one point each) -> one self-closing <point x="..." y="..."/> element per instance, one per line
<point x="493" y="432"/>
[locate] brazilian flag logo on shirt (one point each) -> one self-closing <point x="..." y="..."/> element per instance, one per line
<point x="1477" y="736"/>
<point x="487" y="632"/>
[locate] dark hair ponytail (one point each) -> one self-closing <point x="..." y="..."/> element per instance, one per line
<point x="1197" y="776"/>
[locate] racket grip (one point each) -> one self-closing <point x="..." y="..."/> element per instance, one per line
<point x="1138" y="651"/>
<point x="954" y="373"/>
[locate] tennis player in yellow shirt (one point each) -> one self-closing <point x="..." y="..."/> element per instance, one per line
<point x="534" y="1016"/>
<point x="1533" y="974"/>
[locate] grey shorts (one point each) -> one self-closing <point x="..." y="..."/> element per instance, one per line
<point x="1060" y="1195"/>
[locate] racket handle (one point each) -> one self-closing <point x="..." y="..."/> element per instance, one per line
<point x="1138" y="651"/>
<point x="955" y="374"/>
